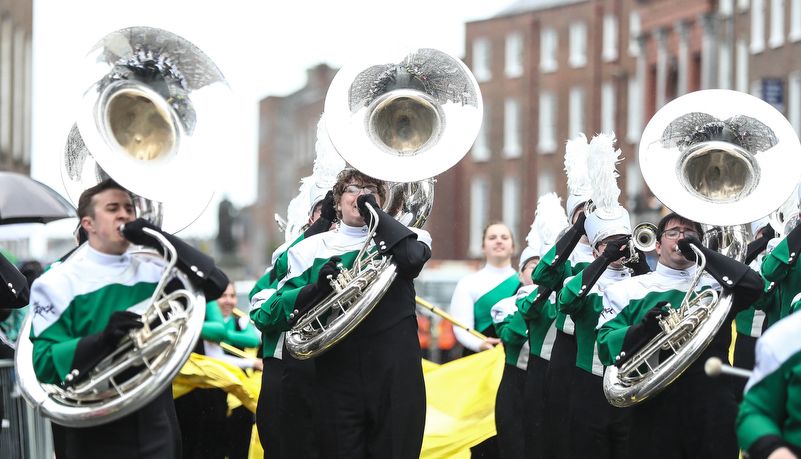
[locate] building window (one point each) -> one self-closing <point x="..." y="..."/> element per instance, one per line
<point x="479" y="214"/>
<point x="576" y="121"/>
<point x="724" y="67"/>
<point x="609" y="53"/>
<point x="608" y="107"/>
<point x="741" y="66"/>
<point x="512" y="145"/>
<point x="481" y="148"/>
<point x="548" y="48"/>
<point x="514" y="55"/>
<point x="776" y="23"/>
<point x="795" y="20"/>
<point x="511" y="203"/>
<point x="6" y="64"/>
<point x="726" y="7"/>
<point x="635" y="112"/>
<point x="758" y="26"/>
<point x="578" y="44"/>
<point x="546" y="182"/>
<point x="482" y="60"/>
<point x="635" y="30"/>
<point x="547" y="123"/>
<point x="794" y="101"/>
<point x="742" y="5"/>
<point x="19" y="93"/>
<point x="634" y="184"/>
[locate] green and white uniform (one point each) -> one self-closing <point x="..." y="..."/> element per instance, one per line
<point x="770" y="414"/>
<point x="474" y="297"/>
<point x="779" y="269"/>
<point x="510" y="327"/>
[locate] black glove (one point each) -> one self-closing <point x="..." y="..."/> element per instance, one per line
<point x="15" y="292"/>
<point x="360" y="203"/>
<point x="794" y="244"/>
<point x="328" y="269"/>
<point x="134" y="232"/>
<point x="641" y="266"/>
<point x="684" y="247"/>
<point x="566" y="243"/>
<point x="328" y="210"/>
<point x="615" y="249"/>
<point x="312" y="294"/>
<point x="119" y="324"/>
<point x="639" y="334"/>
<point x="759" y="244"/>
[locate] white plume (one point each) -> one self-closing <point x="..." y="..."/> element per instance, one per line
<point x="576" y="153"/>
<point x="602" y="165"/>
<point x="549" y="219"/>
<point x="297" y="213"/>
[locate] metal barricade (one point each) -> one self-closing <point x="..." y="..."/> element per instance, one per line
<point x="24" y="434"/>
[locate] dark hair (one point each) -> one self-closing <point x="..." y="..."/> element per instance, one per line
<point x="350" y="175"/>
<point x="660" y="228"/>
<point x="86" y="207"/>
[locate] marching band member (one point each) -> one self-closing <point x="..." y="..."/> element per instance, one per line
<point x="769" y="422"/>
<point x="567" y="257"/>
<point x="597" y="429"/>
<point x="539" y="311"/>
<point x="511" y="329"/>
<point x="693" y="416"/>
<point x="779" y="268"/>
<point x="369" y="388"/>
<point x="286" y="401"/>
<point x="474" y="297"/>
<point x="84" y="306"/>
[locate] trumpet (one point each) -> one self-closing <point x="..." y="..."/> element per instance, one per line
<point x="643" y="238"/>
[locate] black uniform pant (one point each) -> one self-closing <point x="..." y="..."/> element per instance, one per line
<point x="488" y="449"/>
<point x="202" y="417"/>
<point x="535" y="425"/>
<point x="597" y="429"/>
<point x="238" y="430"/>
<point x="296" y="409"/>
<point x="151" y="432"/>
<point x="558" y="381"/>
<point x="509" y="413"/>
<point x="744" y="356"/>
<point x="692" y="418"/>
<point x="267" y="411"/>
<point x="370" y="396"/>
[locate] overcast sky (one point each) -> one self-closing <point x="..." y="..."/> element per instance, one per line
<point x="262" y="47"/>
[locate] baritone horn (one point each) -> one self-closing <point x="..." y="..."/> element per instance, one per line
<point x="720" y="158"/>
<point x="401" y="116"/>
<point x="147" y="121"/>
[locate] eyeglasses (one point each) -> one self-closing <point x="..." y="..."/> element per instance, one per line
<point x="672" y="235"/>
<point x="356" y="189"/>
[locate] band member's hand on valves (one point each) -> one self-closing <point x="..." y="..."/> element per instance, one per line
<point x="640" y="266"/>
<point x="328" y="269"/>
<point x="650" y="322"/>
<point x="119" y="324"/>
<point x="370" y="199"/>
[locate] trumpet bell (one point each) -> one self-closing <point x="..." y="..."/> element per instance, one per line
<point x="403" y="116"/>
<point x="644" y="236"/>
<point x="705" y="155"/>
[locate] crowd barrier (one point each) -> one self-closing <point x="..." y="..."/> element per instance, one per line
<point x="24" y="433"/>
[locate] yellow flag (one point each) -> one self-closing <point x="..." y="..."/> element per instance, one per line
<point x="461" y="404"/>
<point x="204" y="372"/>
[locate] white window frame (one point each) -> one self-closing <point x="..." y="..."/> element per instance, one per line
<point x="794" y="100"/>
<point x="776" y="39"/>
<point x="511" y="203"/>
<point x="608" y="107"/>
<point x="609" y="52"/>
<point x="634" y="122"/>
<point x="514" y="55"/>
<point x="479" y="213"/>
<point x="635" y="29"/>
<point x="725" y="77"/>
<point x="578" y="44"/>
<point x="576" y="105"/>
<point x="549" y="44"/>
<point x="547" y="123"/>
<point x="795" y="21"/>
<point x="481" y="151"/>
<point x="757" y="27"/>
<point x="6" y="81"/>
<point x="512" y="128"/>
<point x="482" y="59"/>
<point x="546" y="182"/>
<point x="726" y="7"/>
<point x="741" y="66"/>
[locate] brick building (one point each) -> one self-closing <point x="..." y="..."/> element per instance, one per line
<point x="16" y="47"/>
<point x="550" y="69"/>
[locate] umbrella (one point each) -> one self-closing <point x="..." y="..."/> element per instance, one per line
<point x="24" y="200"/>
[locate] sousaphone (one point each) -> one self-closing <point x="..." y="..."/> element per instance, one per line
<point x="724" y="159"/>
<point x="147" y="120"/>
<point x="402" y="116"/>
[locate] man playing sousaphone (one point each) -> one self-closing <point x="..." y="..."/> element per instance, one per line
<point x="693" y="416"/>
<point x="369" y="387"/>
<point x="84" y="306"/>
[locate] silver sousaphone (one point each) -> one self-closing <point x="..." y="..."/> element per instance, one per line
<point x="724" y="159"/>
<point x="147" y="120"/>
<point x="401" y="116"/>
